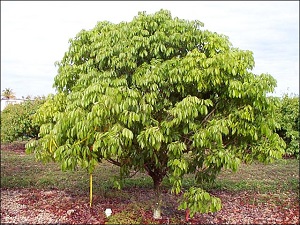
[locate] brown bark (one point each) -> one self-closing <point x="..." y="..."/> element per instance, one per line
<point x="157" y="176"/>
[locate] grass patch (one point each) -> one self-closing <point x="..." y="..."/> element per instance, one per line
<point x="282" y="175"/>
<point x="23" y="171"/>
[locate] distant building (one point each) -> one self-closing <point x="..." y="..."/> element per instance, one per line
<point x="6" y="102"/>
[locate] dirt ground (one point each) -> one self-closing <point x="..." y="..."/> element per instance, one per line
<point x="35" y="206"/>
<point x="58" y="207"/>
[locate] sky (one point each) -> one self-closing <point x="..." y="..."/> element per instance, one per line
<point x="35" y="34"/>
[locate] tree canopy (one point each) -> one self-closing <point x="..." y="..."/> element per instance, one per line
<point x="289" y="120"/>
<point x="17" y="121"/>
<point x="161" y="95"/>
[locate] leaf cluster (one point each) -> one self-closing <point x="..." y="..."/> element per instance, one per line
<point x="289" y="121"/>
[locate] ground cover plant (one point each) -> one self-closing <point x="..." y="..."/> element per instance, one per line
<point x="34" y="192"/>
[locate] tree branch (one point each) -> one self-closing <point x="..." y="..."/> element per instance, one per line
<point x="135" y="172"/>
<point x="117" y="163"/>
<point x="208" y="115"/>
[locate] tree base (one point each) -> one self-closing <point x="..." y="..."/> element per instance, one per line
<point x="157" y="214"/>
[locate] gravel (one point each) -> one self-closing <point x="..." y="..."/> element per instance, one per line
<point x="12" y="211"/>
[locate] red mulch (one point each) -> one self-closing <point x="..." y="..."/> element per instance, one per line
<point x="237" y="208"/>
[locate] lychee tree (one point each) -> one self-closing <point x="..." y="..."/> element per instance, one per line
<point x="163" y="96"/>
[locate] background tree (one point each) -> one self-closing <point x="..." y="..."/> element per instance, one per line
<point x="8" y="93"/>
<point x="289" y="119"/>
<point x="160" y="95"/>
<point x="28" y="97"/>
<point x="17" y="123"/>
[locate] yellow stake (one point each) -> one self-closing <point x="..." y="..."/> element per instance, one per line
<point x="91" y="189"/>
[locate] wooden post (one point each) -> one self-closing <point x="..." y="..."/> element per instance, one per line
<point x="91" y="189"/>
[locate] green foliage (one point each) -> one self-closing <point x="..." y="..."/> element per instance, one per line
<point x="289" y="120"/>
<point x="196" y="199"/>
<point x="17" y="122"/>
<point x="161" y="95"/>
<point x="125" y="217"/>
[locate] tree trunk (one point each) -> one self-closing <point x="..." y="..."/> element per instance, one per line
<point x="157" y="175"/>
<point x="158" y="200"/>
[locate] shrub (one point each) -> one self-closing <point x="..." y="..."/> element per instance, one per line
<point x="288" y="118"/>
<point x="17" y="123"/>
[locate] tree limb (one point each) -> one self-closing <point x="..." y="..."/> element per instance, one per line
<point x="117" y="163"/>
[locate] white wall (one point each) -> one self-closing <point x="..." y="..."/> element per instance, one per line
<point x="5" y="102"/>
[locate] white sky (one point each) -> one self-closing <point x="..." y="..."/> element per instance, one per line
<point x="35" y="34"/>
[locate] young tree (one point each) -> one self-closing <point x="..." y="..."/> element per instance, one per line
<point x="8" y="93"/>
<point x="160" y="95"/>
